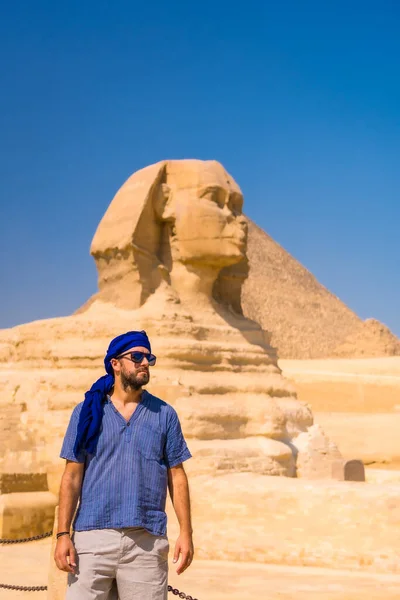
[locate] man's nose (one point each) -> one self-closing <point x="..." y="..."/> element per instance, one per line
<point x="145" y="361"/>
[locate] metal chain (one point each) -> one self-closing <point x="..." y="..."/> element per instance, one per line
<point x="29" y="539"/>
<point x="24" y="588"/>
<point x="180" y="594"/>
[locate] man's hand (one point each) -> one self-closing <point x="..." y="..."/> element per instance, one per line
<point x="65" y="550"/>
<point x="184" y="547"/>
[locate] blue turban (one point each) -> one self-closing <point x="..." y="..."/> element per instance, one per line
<point x="92" y="409"/>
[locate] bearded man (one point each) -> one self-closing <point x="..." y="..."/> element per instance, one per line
<point x="123" y="448"/>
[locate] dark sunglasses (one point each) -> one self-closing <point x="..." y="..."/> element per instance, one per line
<point x="137" y="357"/>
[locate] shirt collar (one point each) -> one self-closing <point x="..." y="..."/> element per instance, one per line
<point x="144" y="394"/>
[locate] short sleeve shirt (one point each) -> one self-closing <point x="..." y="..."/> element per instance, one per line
<point x="125" y="481"/>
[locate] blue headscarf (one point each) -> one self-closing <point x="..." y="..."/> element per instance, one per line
<point x="92" y="410"/>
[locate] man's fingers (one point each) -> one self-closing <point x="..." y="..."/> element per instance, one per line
<point x="65" y="566"/>
<point x="176" y="553"/>
<point x="61" y="559"/>
<point x="62" y="563"/>
<point x="72" y="556"/>
<point x="186" y="560"/>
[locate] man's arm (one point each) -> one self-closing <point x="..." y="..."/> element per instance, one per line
<point x="179" y="492"/>
<point x="70" y="490"/>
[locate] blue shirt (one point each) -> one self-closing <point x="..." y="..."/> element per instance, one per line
<point x="125" y="482"/>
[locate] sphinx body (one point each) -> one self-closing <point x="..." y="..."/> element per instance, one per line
<point x="171" y="258"/>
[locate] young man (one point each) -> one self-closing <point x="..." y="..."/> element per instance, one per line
<point x="124" y="447"/>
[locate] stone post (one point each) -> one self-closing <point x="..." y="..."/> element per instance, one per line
<point x="57" y="580"/>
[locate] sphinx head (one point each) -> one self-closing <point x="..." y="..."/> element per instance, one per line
<point x="172" y="222"/>
<point x="204" y="206"/>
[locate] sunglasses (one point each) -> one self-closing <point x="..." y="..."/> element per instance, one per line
<point x="137" y="357"/>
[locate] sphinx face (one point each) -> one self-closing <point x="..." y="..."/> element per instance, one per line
<point x="209" y="225"/>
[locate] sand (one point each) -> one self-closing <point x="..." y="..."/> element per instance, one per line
<point x="218" y="580"/>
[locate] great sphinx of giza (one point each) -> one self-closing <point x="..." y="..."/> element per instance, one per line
<point x="171" y="258"/>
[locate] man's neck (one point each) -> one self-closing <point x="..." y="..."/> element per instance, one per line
<point x="128" y="396"/>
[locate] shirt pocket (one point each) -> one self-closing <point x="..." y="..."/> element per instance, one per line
<point x="149" y="441"/>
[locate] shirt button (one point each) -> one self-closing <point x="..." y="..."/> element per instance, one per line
<point x="127" y="424"/>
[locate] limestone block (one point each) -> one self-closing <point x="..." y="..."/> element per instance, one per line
<point x="315" y="454"/>
<point x="348" y="470"/>
<point x="368" y="385"/>
<point x="26" y="514"/>
<point x="354" y="470"/>
<point x="23" y="482"/>
<point x="254" y="454"/>
<point x="337" y="469"/>
<point x="228" y="416"/>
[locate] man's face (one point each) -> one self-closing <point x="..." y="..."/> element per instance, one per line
<point x="134" y="375"/>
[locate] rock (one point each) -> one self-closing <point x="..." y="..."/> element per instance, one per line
<point x="315" y="454"/>
<point x="350" y="470"/>
<point x="171" y="258"/>
<point x="26" y="514"/>
<point x="252" y="454"/>
<point x="354" y="470"/>
<point x="22" y="482"/>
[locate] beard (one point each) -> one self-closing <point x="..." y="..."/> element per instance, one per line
<point x="134" y="381"/>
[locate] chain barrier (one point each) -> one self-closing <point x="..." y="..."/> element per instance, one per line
<point x="180" y="594"/>
<point x="29" y="539"/>
<point x="43" y="588"/>
<point x="24" y="588"/>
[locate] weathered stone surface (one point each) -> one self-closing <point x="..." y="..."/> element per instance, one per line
<point x="356" y="402"/>
<point x="171" y="255"/>
<point x="26" y="514"/>
<point x="242" y="415"/>
<point x="254" y="454"/>
<point x="347" y="385"/>
<point x="350" y="470"/>
<point x="354" y="470"/>
<point x="337" y="469"/>
<point x="315" y="454"/>
<point x="22" y="482"/>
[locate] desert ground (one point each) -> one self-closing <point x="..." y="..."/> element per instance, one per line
<point x="226" y="580"/>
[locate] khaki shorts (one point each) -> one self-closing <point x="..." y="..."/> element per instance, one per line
<point x="124" y="564"/>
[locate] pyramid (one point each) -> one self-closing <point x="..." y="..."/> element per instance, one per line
<point x="305" y="319"/>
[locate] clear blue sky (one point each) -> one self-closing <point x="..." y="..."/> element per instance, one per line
<point x="300" y="101"/>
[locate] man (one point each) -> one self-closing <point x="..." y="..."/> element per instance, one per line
<point x="123" y="448"/>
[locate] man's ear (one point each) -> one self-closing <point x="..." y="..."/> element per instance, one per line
<point x="113" y="363"/>
<point x="163" y="203"/>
